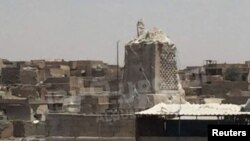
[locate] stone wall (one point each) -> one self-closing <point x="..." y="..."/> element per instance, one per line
<point x="18" y="112"/>
<point x="27" y="91"/>
<point x="139" y="70"/>
<point x="27" y="128"/>
<point x="16" y="109"/>
<point x="6" y="129"/>
<point x="10" y="75"/>
<point x="221" y="88"/>
<point x="75" y="125"/>
<point x="29" y="76"/>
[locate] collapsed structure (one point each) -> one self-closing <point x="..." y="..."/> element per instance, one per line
<point x="80" y="100"/>
<point x="150" y="71"/>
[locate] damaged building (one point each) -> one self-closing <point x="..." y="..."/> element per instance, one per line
<point x="91" y="100"/>
<point x="150" y="70"/>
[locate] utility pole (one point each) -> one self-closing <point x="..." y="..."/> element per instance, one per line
<point x="117" y="61"/>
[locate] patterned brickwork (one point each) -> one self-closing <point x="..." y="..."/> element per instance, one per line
<point x="168" y="69"/>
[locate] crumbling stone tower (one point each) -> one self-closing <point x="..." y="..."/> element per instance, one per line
<point x="151" y="68"/>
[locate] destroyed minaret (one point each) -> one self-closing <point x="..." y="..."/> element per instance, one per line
<point x="150" y="71"/>
<point x="140" y="27"/>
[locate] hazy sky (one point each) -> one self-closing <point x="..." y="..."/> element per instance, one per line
<point x="89" y="29"/>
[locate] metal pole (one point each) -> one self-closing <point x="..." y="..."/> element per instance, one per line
<point x="179" y="126"/>
<point x="117" y="61"/>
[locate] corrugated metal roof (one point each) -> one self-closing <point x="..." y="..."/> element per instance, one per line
<point x="194" y="110"/>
